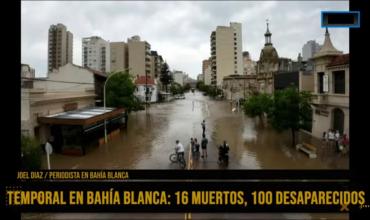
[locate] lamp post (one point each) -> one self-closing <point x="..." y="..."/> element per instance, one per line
<point x="105" y="120"/>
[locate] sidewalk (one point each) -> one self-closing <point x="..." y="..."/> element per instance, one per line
<point x="325" y="151"/>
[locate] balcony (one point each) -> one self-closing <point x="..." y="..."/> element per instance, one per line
<point x="330" y="99"/>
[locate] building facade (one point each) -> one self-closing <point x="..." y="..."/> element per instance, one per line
<point x="331" y="92"/>
<point x="309" y="49"/>
<point x="60" y="47"/>
<point x="96" y="53"/>
<point x="118" y="56"/>
<point x="66" y="88"/>
<point x="138" y="56"/>
<point x="205" y="64"/>
<point x="144" y="84"/>
<point x="208" y="76"/>
<point x="236" y="87"/>
<point x="179" y="77"/>
<point x="226" y="52"/>
<point x="27" y="75"/>
<point x="249" y="66"/>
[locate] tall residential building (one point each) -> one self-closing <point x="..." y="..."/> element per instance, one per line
<point x="96" y="53"/>
<point x="138" y="56"/>
<point x="309" y="49"/>
<point x="179" y="77"/>
<point x="60" y="47"/>
<point x="226" y="52"/>
<point x="205" y="64"/>
<point x="156" y="62"/>
<point x="118" y="56"/>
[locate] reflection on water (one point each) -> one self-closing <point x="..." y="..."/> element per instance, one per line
<point x="150" y="139"/>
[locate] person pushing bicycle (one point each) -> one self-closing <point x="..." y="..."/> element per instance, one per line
<point x="179" y="149"/>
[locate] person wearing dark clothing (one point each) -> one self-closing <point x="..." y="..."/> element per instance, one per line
<point x="204" y="127"/>
<point x="196" y="144"/>
<point x="204" y="146"/>
<point x="223" y="152"/>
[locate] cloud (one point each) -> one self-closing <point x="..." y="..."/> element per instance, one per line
<point x="180" y="31"/>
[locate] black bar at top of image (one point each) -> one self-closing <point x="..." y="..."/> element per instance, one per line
<point x="340" y="19"/>
<point x="228" y="174"/>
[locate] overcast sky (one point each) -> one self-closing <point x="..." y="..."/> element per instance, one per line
<point x="179" y="31"/>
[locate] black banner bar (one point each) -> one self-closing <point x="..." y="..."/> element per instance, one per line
<point x="187" y="196"/>
<point x="194" y="174"/>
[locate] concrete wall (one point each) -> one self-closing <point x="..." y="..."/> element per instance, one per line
<point x="306" y="82"/>
<point x="56" y="81"/>
<point x="140" y="93"/>
<point x="36" y="103"/>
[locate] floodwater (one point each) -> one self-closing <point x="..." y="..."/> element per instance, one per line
<point x="151" y="135"/>
<point x="150" y="139"/>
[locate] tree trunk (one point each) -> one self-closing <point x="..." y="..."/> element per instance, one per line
<point x="293" y="137"/>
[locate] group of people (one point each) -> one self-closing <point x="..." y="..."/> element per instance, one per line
<point x="335" y="138"/>
<point x="195" y="146"/>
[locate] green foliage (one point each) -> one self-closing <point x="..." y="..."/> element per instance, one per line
<point x="290" y="109"/>
<point x="257" y="105"/>
<point x="286" y="109"/>
<point x="200" y="85"/>
<point x="31" y="153"/>
<point x="165" y="76"/>
<point x="186" y="87"/>
<point x="212" y="91"/>
<point x="120" y="92"/>
<point x="176" y="88"/>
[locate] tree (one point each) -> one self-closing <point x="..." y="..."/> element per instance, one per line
<point x="258" y="105"/>
<point x="187" y="87"/>
<point x="290" y="110"/>
<point x="176" y="88"/>
<point x="31" y="153"/>
<point x="200" y="85"/>
<point x="165" y="76"/>
<point x="120" y="92"/>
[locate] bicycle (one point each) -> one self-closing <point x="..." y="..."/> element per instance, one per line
<point x="181" y="160"/>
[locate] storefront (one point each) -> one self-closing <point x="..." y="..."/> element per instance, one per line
<point x="76" y="131"/>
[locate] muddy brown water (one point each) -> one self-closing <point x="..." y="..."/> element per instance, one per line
<point x="150" y="139"/>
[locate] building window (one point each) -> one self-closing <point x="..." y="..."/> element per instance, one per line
<point x="339" y="82"/>
<point x="320" y="83"/>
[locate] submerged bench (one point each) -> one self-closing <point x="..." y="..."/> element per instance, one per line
<point x="309" y="149"/>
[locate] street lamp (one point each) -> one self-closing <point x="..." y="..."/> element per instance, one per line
<point x="105" y="121"/>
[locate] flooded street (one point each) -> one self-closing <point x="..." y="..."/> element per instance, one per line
<point x="150" y="139"/>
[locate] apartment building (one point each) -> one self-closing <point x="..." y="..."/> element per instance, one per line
<point x="60" y="46"/>
<point x="309" y="49"/>
<point x="138" y="56"/>
<point x="118" y="56"/>
<point x="226" y="52"/>
<point x="96" y="53"/>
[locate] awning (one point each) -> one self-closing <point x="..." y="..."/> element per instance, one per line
<point x="86" y="116"/>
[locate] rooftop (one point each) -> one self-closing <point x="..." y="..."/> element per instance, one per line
<point x="140" y="80"/>
<point x="84" y="116"/>
<point x="340" y="60"/>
